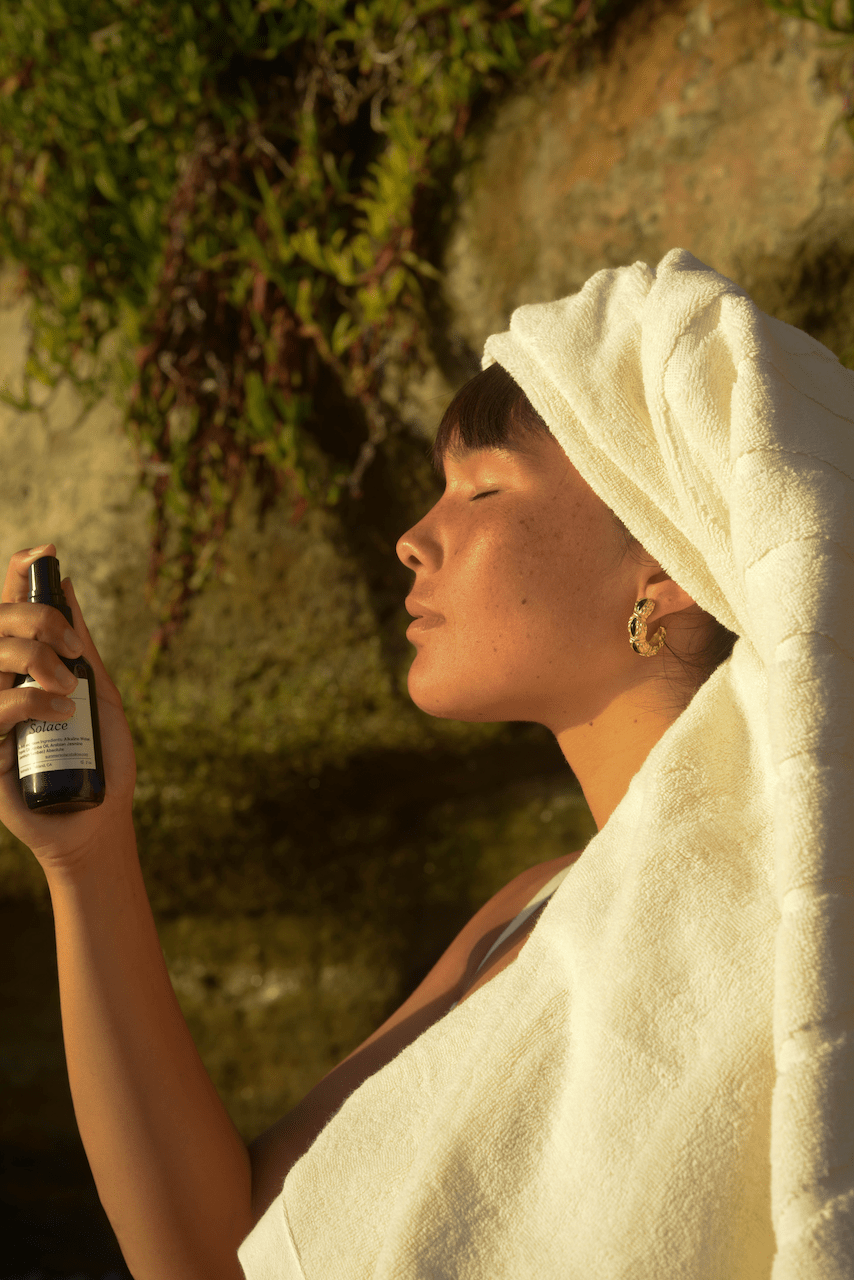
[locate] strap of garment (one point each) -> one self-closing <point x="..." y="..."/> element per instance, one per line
<point x="527" y="911"/>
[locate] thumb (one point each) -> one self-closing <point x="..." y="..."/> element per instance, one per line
<point x="89" y="651"/>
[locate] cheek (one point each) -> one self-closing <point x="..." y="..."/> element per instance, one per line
<point x="518" y="596"/>
<point x="562" y="594"/>
<point x="545" y="577"/>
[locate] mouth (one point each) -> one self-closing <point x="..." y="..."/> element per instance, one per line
<point x="424" y="619"/>
<point x="427" y="623"/>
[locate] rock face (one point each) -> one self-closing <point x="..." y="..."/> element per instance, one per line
<point x="718" y="128"/>
<point x="69" y="477"/>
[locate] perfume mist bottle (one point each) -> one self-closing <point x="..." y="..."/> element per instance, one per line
<point x="60" y="767"/>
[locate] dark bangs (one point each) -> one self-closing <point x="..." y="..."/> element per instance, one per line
<point x="490" y="411"/>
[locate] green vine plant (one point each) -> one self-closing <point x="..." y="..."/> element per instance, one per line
<point x="215" y="209"/>
<point x="835" y="15"/>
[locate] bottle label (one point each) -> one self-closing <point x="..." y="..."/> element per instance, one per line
<point x="44" y="745"/>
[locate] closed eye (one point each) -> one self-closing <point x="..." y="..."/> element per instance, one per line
<point x="486" y="494"/>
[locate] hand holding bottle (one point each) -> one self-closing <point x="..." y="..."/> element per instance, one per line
<point x="32" y="637"/>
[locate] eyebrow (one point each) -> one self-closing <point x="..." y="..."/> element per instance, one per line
<point x="460" y="451"/>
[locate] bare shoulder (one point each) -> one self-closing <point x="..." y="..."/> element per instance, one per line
<point x="274" y="1152"/>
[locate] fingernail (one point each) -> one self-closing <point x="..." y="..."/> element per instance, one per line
<point x="72" y="641"/>
<point x="64" y="676"/>
<point x="37" y="551"/>
<point x="62" y="704"/>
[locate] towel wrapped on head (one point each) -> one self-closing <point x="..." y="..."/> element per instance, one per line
<point x="662" y="1083"/>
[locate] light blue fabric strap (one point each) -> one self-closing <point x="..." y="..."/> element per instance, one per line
<point x="526" y="912"/>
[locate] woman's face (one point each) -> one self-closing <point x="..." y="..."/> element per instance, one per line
<point x="521" y="597"/>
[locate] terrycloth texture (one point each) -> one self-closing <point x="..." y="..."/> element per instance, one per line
<point x="662" y="1079"/>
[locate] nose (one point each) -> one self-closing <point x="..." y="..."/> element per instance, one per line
<point x="418" y="547"/>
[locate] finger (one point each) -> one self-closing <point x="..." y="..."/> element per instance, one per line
<point x="28" y="703"/>
<point x="102" y="679"/>
<point x="37" y="658"/>
<point x="32" y="637"/>
<point x="17" y="584"/>
<point x="8" y="751"/>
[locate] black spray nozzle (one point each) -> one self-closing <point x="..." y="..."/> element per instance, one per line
<point x="46" y="586"/>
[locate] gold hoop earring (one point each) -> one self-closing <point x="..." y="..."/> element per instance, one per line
<point x="637" y="630"/>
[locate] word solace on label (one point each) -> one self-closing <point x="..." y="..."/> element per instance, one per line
<point x="44" y="746"/>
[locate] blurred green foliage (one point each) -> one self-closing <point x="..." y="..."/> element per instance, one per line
<point x="836" y="15"/>
<point x="230" y="190"/>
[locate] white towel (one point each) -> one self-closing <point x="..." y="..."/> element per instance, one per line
<point x="661" y="1084"/>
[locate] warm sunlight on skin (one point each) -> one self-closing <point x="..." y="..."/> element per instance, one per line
<point x="521" y="604"/>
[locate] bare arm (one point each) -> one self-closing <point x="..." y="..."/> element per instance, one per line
<point x="171" y="1170"/>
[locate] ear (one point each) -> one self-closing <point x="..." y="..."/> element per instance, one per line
<point x="669" y="597"/>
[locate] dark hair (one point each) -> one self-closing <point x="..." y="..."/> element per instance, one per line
<point x="491" y="411"/>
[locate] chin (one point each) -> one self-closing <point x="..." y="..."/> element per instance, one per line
<point x="447" y="704"/>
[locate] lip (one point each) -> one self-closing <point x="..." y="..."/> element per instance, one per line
<point x="424" y="619"/>
<point x="427" y="623"/>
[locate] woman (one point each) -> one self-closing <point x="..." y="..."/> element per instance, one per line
<point x="606" y="1104"/>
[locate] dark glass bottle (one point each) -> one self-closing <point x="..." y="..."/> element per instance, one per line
<point x="60" y="766"/>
